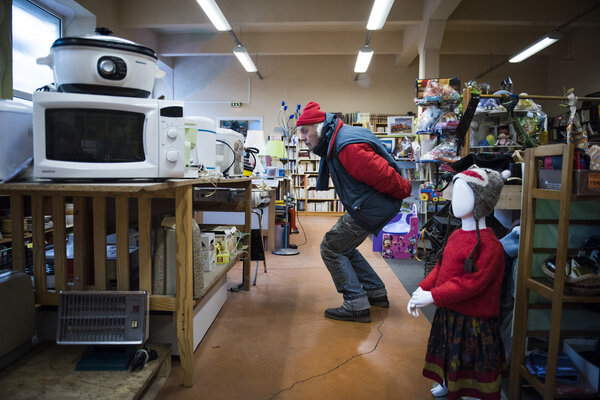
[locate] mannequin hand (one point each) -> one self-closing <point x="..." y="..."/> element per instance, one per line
<point x="412" y="309"/>
<point x="421" y="298"/>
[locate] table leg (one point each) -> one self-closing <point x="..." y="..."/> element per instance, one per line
<point x="185" y="289"/>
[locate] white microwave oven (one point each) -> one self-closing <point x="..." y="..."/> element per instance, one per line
<point x="86" y="136"/>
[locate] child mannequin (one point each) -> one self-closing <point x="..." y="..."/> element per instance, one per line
<point x="465" y="353"/>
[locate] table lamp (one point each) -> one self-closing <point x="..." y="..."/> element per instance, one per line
<point x="276" y="149"/>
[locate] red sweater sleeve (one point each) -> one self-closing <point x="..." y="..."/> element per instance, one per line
<point x="429" y="282"/>
<point x="364" y="165"/>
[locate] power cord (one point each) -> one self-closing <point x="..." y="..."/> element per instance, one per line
<point x="303" y="231"/>
<point x="141" y="358"/>
<point x="226" y="171"/>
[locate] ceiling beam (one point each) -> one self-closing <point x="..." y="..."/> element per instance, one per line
<point x="283" y="43"/>
<point x="423" y="36"/>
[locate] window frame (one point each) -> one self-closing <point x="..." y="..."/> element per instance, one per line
<point x="19" y="94"/>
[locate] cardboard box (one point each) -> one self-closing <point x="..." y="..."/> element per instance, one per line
<point x="208" y="251"/>
<point x="573" y="348"/>
<point x="585" y="182"/>
<point x="226" y="236"/>
<point x="170" y="260"/>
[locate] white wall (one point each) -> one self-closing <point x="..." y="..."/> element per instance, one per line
<point x="209" y="83"/>
<point x="203" y="82"/>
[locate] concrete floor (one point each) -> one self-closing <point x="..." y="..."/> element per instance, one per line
<point x="273" y="342"/>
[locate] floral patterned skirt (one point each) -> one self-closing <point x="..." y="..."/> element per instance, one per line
<point x="466" y="354"/>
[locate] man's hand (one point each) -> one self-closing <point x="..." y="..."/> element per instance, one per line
<point x="421" y="298"/>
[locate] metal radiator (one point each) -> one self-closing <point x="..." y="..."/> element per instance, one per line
<point x="107" y="317"/>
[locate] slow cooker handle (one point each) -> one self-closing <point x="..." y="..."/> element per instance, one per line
<point x="48" y="60"/>
<point x="159" y="73"/>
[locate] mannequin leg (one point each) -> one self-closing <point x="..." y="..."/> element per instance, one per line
<point x="439" y="390"/>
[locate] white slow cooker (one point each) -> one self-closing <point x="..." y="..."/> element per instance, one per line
<point x="102" y="64"/>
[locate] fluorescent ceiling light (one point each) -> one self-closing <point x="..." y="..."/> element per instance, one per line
<point x="242" y="54"/>
<point x="379" y="13"/>
<point x="213" y="12"/>
<point x="541" y="44"/>
<point x="363" y="59"/>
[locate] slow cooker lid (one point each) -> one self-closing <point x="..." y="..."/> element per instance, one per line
<point x="106" y="42"/>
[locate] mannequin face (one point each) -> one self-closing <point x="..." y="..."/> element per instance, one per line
<point x="463" y="200"/>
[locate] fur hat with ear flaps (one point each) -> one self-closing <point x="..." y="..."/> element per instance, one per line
<point x="486" y="185"/>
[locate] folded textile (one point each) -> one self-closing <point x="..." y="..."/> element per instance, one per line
<point x="510" y="242"/>
<point x="565" y="370"/>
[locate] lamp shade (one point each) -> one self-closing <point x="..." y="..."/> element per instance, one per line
<point x="256" y="139"/>
<point x="276" y="149"/>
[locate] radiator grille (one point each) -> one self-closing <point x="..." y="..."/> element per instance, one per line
<point x="102" y="317"/>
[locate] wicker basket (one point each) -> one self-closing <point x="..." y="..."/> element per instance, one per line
<point x="584" y="285"/>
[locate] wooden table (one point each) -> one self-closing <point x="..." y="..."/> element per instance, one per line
<point x="48" y="198"/>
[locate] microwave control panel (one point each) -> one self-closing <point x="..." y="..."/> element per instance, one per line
<point x="172" y="142"/>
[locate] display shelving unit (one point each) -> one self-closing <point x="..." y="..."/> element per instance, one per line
<point x="553" y="293"/>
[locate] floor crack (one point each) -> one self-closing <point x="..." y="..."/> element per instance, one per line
<point x="337" y="366"/>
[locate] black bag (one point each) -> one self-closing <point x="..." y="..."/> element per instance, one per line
<point x="497" y="162"/>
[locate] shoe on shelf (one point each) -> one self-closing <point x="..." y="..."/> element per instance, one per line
<point x="341" y="314"/>
<point x="381" y="301"/>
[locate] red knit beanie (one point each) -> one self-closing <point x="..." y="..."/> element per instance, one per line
<point x="311" y="114"/>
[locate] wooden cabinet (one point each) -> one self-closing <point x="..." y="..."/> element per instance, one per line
<point x="89" y="261"/>
<point x="532" y="285"/>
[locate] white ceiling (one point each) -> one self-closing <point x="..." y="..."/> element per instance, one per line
<point x="319" y="27"/>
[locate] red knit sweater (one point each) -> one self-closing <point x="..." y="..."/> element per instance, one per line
<point x="476" y="294"/>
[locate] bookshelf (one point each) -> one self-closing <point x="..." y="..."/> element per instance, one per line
<point x="310" y="201"/>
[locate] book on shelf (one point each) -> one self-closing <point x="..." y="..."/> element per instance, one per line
<point x="325" y="206"/>
<point x="321" y="194"/>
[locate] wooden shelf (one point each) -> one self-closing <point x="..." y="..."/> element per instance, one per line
<point x="331" y="213"/>
<point x="323" y="199"/>
<point x="538" y="385"/>
<point x="394" y="135"/>
<point x="542" y="287"/>
<point x="498" y="147"/>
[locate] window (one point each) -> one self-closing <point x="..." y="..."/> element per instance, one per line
<point x="34" y="30"/>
